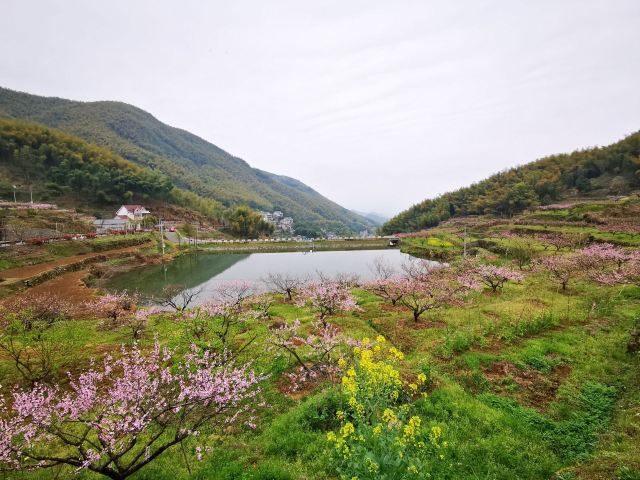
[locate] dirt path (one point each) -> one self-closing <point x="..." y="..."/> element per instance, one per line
<point x="68" y="287"/>
<point x="22" y="273"/>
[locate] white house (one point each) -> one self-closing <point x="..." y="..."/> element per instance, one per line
<point x="132" y="212"/>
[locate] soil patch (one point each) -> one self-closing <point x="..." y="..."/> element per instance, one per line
<point x="386" y="307"/>
<point x="536" y="302"/>
<point x="535" y="389"/>
<point x="395" y="333"/>
<point x="491" y="315"/>
<point x="22" y="273"/>
<point x="421" y="324"/>
<point x="296" y="391"/>
<point x="69" y="287"/>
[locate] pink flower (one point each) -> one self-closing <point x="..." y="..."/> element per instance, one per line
<point x="121" y="407"/>
<point x="327" y="297"/>
<point x="489" y="275"/>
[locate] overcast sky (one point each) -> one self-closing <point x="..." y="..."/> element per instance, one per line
<point x="375" y="104"/>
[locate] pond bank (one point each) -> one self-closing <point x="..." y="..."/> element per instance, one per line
<point x="18" y="279"/>
<point x="318" y="245"/>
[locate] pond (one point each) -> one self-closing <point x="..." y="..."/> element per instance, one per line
<point x="206" y="272"/>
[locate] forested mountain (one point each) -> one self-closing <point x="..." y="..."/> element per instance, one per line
<point x="189" y="161"/>
<point x="600" y="171"/>
<point x="57" y="164"/>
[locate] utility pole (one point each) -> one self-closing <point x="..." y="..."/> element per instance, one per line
<point x="162" y="235"/>
<point x="31" y="192"/>
<point x="464" y="243"/>
<point x="14" y="194"/>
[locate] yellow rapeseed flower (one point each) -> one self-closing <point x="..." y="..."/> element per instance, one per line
<point x="396" y="353"/>
<point x="388" y="415"/>
<point x="412" y="427"/>
<point x="372" y="466"/>
<point x="347" y="429"/>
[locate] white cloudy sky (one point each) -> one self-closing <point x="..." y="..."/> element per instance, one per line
<point x="376" y="104"/>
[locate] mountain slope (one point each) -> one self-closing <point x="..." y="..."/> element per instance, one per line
<point x="600" y="171"/>
<point x="59" y="166"/>
<point x="189" y="161"/>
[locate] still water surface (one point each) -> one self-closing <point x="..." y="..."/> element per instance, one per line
<point x="207" y="271"/>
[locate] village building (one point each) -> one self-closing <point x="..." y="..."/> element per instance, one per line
<point x="282" y="224"/>
<point x="128" y="217"/>
<point x="132" y="212"/>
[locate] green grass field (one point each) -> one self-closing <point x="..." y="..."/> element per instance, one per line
<point x="526" y="383"/>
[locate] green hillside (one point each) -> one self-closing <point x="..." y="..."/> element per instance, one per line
<point x="59" y="166"/>
<point x="594" y="172"/>
<point x="189" y="161"/>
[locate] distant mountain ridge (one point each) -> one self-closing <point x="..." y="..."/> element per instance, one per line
<point x="376" y="218"/>
<point x="600" y="171"/>
<point x="189" y="161"/>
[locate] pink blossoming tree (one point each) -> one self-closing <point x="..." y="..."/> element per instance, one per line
<point x="34" y="336"/>
<point x="628" y="273"/>
<point x="34" y="310"/>
<point x="312" y="353"/>
<point x="607" y="253"/>
<point x="286" y="284"/>
<point x="114" y="305"/>
<point x="116" y="419"/>
<point x="386" y="281"/>
<point x="327" y="297"/>
<point x="214" y="323"/>
<point x="389" y="289"/>
<point x="435" y="289"/>
<point x="489" y="275"/>
<point x="562" y="268"/>
<point x="217" y="320"/>
<point x="556" y="240"/>
<point x="120" y="310"/>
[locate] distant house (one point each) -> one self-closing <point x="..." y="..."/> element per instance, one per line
<point x="281" y="223"/>
<point x="132" y="212"/>
<point x="128" y="217"/>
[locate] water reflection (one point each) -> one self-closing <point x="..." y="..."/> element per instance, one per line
<point x="207" y="271"/>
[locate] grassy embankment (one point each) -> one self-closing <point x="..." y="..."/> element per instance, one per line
<point x="284" y="246"/>
<point x="527" y="383"/>
<point x="26" y="255"/>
